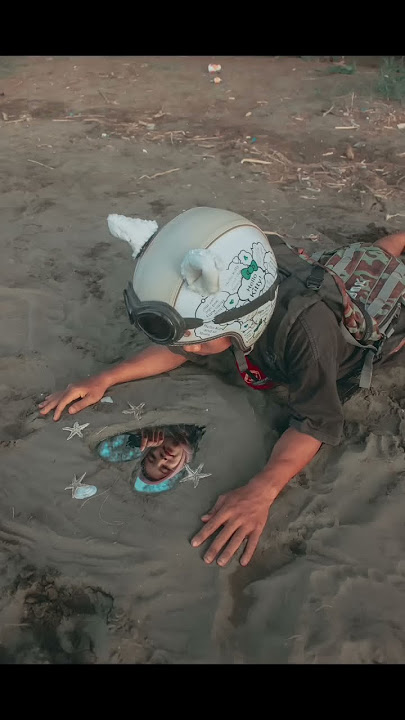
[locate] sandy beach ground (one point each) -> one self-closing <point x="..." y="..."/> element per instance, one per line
<point x="114" y="578"/>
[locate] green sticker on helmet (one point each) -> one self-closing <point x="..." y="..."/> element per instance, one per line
<point x="247" y="272"/>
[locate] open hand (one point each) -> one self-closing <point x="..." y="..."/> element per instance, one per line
<point x="90" y="391"/>
<point x="151" y="437"/>
<point x="243" y="514"/>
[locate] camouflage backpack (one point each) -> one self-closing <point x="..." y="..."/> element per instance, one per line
<point x="362" y="284"/>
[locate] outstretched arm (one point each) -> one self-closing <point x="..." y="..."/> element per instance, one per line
<point x="152" y="361"/>
<point x="243" y="512"/>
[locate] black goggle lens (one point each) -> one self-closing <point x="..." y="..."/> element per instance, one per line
<point x="158" y="328"/>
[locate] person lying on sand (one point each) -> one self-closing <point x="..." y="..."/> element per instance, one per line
<point x="211" y="282"/>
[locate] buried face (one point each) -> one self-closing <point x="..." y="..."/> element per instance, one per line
<point x="160" y="462"/>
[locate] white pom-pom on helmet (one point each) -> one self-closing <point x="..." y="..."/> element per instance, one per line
<point x="207" y="274"/>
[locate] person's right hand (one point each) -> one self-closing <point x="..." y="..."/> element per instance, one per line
<point x="90" y="390"/>
<point x="152" y="437"/>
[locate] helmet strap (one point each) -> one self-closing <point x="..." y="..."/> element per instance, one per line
<point x="258" y="381"/>
<point x="240" y="358"/>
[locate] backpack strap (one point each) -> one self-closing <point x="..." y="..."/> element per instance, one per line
<point x="367" y="370"/>
<point x="352" y="341"/>
<point x="314" y="282"/>
<point x="372" y="351"/>
<point x="315" y="277"/>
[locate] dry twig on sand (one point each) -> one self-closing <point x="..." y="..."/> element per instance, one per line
<point x="104" y="97"/>
<point x="347" y="127"/>
<point x="389" y="217"/>
<point x="22" y="119"/>
<point x="279" y="157"/>
<point x="39" y="163"/>
<point x="202" y="137"/>
<point x="159" y="174"/>
<point x="257" y="162"/>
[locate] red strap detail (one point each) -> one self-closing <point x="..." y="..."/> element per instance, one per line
<point x="258" y="374"/>
<point x="397" y="349"/>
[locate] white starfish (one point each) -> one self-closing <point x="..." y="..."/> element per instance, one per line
<point x="195" y="475"/>
<point x="136" y="410"/>
<point x="75" y="430"/>
<point x="75" y="484"/>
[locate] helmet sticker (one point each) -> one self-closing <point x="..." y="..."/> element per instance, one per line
<point x="249" y="270"/>
<point x="247" y="280"/>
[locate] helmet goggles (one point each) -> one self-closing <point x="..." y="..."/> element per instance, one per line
<point x="164" y="325"/>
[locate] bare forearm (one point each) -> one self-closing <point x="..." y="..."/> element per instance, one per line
<point x="291" y="453"/>
<point x="152" y="361"/>
<point x="394" y="244"/>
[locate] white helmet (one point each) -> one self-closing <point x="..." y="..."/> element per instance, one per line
<point x="207" y="274"/>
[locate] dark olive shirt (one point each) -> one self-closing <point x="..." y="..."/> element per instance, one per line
<point x="316" y="366"/>
<point x="316" y="357"/>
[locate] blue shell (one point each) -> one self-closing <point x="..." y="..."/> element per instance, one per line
<point x="84" y="491"/>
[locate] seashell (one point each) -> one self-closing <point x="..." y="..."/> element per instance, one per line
<point x="84" y="491"/>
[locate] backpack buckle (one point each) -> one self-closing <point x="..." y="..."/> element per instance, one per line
<point x="315" y="278"/>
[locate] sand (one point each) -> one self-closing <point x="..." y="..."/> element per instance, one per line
<point x="114" y="579"/>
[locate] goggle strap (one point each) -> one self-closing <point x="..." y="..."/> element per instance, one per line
<point x="243" y="310"/>
<point x="193" y="323"/>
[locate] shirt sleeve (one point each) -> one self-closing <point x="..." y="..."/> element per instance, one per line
<point x="312" y="360"/>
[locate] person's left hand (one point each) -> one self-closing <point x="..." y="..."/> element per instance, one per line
<point x="243" y="513"/>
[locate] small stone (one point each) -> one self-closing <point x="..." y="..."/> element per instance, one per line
<point x="349" y="152"/>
